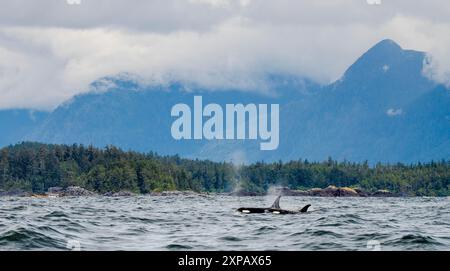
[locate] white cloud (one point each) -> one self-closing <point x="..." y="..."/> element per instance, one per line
<point x="50" y="51"/>
<point x="394" y="112"/>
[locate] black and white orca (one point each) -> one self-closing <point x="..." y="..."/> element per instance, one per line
<point x="274" y="209"/>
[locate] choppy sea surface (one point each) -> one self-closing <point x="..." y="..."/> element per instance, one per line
<point x="212" y="223"/>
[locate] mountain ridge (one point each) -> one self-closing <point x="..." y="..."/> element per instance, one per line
<point x="377" y="111"/>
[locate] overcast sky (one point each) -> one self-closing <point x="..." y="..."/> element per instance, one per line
<point x="51" y="50"/>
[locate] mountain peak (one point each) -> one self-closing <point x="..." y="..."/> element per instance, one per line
<point x="387" y="75"/>
<point x="384" y="58"/>
<point x="384" y="50"/>
<point x="386" y="44"/>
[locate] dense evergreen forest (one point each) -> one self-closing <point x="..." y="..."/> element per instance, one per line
<point x="36" y="167"/>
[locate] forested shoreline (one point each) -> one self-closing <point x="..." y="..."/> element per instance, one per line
<point x="35" y="167"/>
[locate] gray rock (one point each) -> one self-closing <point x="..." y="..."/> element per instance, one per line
<point x="76" y="191"/>
<point x="333" y="191"/>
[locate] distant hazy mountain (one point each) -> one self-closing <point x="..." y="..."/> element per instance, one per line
<point x="382" y="109"/>
<point x="15" y="124"/>
<point x="137" y="118"/>
<point x="358" y="117"/>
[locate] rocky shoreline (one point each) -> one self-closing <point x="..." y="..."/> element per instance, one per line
<point x="76" y="191"/>
<point x="333" y="191"/>
<point x="330" y="191"/>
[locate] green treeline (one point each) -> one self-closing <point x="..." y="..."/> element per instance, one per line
<point x="36" y="167"/>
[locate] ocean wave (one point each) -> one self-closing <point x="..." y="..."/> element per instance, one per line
<point x="29" y="239"/>
<point x="193" y="223"/>
<point x="178" y="247"/>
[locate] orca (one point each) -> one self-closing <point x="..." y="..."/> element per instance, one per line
<point x="274" y="209"/>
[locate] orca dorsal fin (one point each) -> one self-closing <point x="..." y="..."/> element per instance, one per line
<point x="276" y="204"/>
<point x="305" y="209"/>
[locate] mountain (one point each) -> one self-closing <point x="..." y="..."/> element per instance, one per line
<point x="387" y="75"/>
<point x="134" y="117"/>
<point x="423" y="131"/>
<point x="15" y="124"/>
<point x="365" y="115"/>
<point x="383" y="109"/>
<point x="353" y="118"/>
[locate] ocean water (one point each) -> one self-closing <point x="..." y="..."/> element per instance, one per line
<point x="211" y="223"/>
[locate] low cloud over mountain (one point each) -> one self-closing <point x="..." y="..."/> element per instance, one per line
<point x="51" y="51"/>
<point x="370" y="113"/>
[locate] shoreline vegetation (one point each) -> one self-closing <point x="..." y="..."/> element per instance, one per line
<point x="76" y="191"/>
<point x="47" y="170"/>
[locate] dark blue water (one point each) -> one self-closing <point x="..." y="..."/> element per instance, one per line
<point x="211" y="223"/>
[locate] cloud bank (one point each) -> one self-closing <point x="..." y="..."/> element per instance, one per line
<point x="50" y="50"/>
